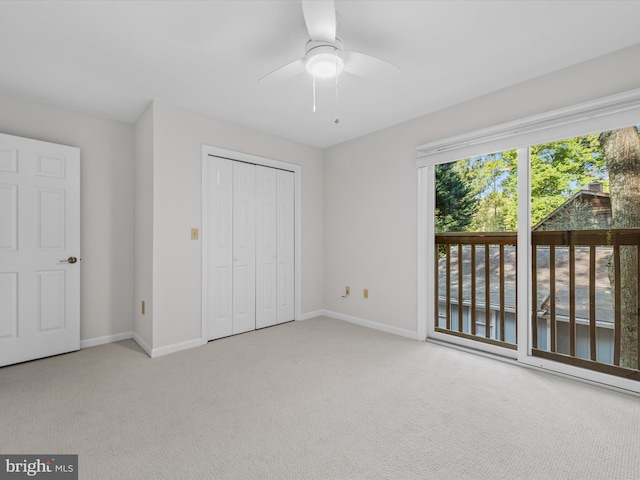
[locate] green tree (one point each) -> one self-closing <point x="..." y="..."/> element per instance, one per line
<point x="492" y="179"/>
<point x="560" y="169"/>
<point x="622" y="153"/>
<point x="455" y="204"/>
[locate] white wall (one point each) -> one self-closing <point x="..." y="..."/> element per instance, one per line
<point x="178" y="137"/>
<point x="370" y="190"/>
<point x="143" y="245"/>
<point x="106" y="149"/>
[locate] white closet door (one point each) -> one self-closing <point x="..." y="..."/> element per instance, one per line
<point x="285" y="250"/>
<point x="244" y="247"/>
<point x="220" y="244"/>
<point x="266" y="311"/>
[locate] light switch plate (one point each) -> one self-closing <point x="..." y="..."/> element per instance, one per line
<point x="194" y="234"/>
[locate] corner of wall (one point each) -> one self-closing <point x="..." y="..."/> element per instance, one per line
<point x="143" y="230"/>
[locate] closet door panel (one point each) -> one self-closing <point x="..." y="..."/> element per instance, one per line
<point x="244" y="247"/>
<point x="266" y="311"/>
<point x="285" y="246"/>
<point x="219" y="296"/>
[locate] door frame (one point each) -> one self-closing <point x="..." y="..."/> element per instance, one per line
<point x="212" y="151"/>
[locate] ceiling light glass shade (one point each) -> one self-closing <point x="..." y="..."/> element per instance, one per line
<point x="324" y="65"/>
<point x="324" y="61"/>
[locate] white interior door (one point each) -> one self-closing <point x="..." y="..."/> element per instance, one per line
<point x="266" y="247"/>
<point x="286" y="243"/>
<point x="244" y="247"/>
<point x="39" y="249"/>
<point x="220" y="245"/>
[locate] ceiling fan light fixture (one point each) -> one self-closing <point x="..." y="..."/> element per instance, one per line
<point x="324" y="65"/>
<point x="324" y="61"/>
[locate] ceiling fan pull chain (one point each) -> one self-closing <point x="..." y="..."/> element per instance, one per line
<point x="314" y="94"/>
<point x="337" y="120"/>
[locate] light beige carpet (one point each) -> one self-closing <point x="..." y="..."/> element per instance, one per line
<point x="319" y="399"/>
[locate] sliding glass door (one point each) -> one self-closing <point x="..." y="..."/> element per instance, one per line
<point x="533" y="252"/>
<point x="585" y="208"/>
<point x="476" y="217"/>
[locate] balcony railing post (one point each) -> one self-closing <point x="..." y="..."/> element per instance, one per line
<point x="534" y="295"/>
<point x="460" y="288"/>
<point x="502" y="320"/>
<point x="437" y="287"/>
<point x="516" y="288"/>
<point x="552" y="299"/>
<point x="487" y="294"/>
<point x="638" y="304"/>
<point x="472" y="314"/>
<point x="448" y="289"/>
<point x="572" y="299"/>
<point x="592" y="303"/>
<point x="616" y="305"/>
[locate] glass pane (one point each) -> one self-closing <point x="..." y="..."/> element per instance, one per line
<point x="478" y="194"/>
<point x="585" y="212"/>
<point x="476" y="274"/>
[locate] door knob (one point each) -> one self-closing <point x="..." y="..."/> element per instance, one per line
<point x="69" y="260"/>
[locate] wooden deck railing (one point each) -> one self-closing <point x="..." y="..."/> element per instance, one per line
<point x="576" y="319"/>
<point x="471" y="278"/>
<point x="592" y="303"/>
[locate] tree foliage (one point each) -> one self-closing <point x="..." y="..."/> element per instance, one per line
<point x="492" y="179"/>
<point x="455" y="203"/>
<point x="558" y="170"/>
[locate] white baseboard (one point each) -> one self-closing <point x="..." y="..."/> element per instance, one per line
<point x="142" y="343"/>
<point x="176" y="347"/>
<point x="309" y="315"/>
<point x="93" y="342"/>
<point x="371" y="324"/>
<point x="155" y="352"/>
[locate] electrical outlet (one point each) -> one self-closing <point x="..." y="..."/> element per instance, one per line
<point x="365" y="293"/>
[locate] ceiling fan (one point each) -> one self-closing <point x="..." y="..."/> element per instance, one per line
<point x="325" y="56"/>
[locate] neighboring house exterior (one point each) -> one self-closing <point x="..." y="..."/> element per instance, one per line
<point x="586" y="210"/>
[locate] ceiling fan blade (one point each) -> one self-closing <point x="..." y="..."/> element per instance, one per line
<point x="365" y="65"/>
<point x="283" y="73"/>
<point x="320" y="17"/>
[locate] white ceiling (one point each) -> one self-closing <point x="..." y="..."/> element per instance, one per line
<point x="110" y="58"/>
